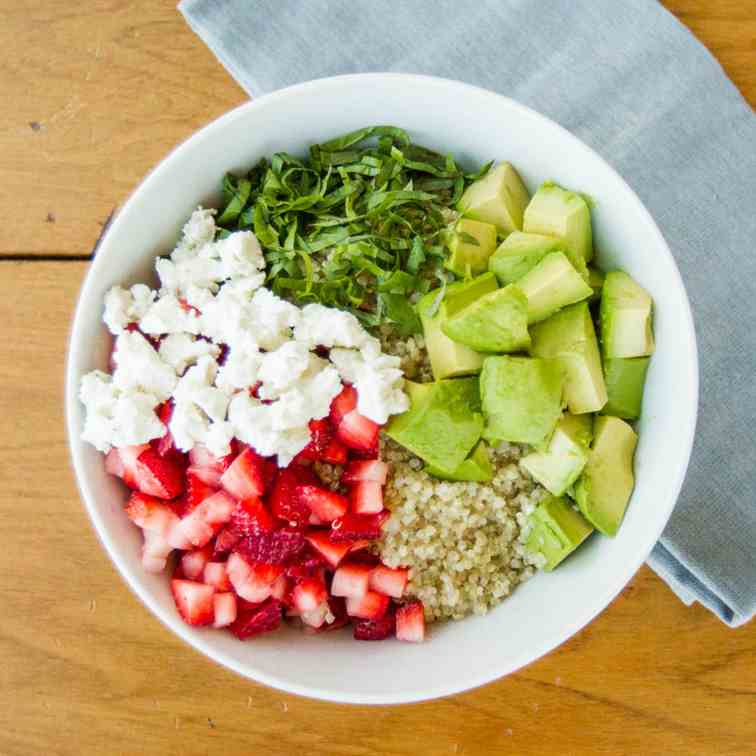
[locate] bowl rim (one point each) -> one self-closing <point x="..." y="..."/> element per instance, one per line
<point x="592" y="608"/>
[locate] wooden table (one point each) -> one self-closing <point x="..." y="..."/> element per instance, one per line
<point x="93" y="95"/>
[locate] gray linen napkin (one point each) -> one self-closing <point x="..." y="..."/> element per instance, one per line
<point x="634" y="84"/>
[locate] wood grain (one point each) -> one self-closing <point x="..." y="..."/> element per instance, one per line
<point x="84" y="667"/>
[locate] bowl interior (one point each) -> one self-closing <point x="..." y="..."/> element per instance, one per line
<point x="476" y="126"/>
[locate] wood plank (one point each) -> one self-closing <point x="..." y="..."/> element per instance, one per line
<point x="85" y="669"/>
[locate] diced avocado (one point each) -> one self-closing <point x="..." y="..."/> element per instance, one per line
<point x="624" y="385"/>
<point x="558" y="212"/>
<point x="559" y="466"/>
<point x="596" y="282"/>
<point x="552" y="284"/>
<point x="522" y="398"/>
<point x="519" y="253"/>
<point x="556" y="531"/>
<point x="477" y="467"/>
<point x="449" y="358"/>
<point x="497" y="322"/>
<point x="499" y="197"/>
<point x="603" y="490"/>
<point x="443" y="422"/>
<point x="569" y="336"/>
<point x="625" y="315"/>
<point x="471" y="243"/>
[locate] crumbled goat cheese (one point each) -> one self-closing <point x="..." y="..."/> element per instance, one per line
<point x="325" y="326"/>
<point x="168" y="315"/>
<point x="126" y="306"/>
<point x="281" y="368"/>
<point x="180" y="350"/>
<point x="240" y="254"/>
<point x="198" y="231"/>
<point x="139" y="367"/>
<point x="240" y="370"/>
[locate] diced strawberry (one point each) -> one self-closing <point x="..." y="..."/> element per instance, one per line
<point x="225" y="541"/>
<point x="150" y="513"/>
<point x="256" y="620"/>
<point x="357" y="432"/>
<point x="216" y="509"/>
<point x="158" y="476"/>
<point x="380" y="629"/>
<point x="192" y="528"/>
<point x="326" y="504"/>
<point x="114" y="464"/>
<point x="332" y="552"/>
<point x="306" y="566"/>
<point x="274" y="547"/>
<point x="123" y="463"/>
<point x="248" y="475"/>
<point x="164" y="444"/>
<point x="359" y="545"/>
<point x="354" y="527"/>
<point x="371" y="606"/>
<point x="194" y="601"/>
<point x="359" y="470"/>
<point x="410" y="622"/>
<point x="343" y="404"/>
<point x="279" y="588"/>
<point x="178" y="539"/>
<point x="215" y="574"/>
<point x="153" y="564"/>
<point x="315" y="618"/>
<point x="336" y="452"/>
<point x="193" y="563"/>
<point x="314" y="519"/>
<point x="200" y="525"/>
<point x="253" y="582"/>
<point x="321" y="433"/>
<point x="208" y="475"/>
<point x="200" y="457"/>
<point x="308" y="594"/>
<point x="366" y="497"/>
<point x="283" y="500"/>
<point x="350" y="580"/>
<point x="391" y="582"/>
<point x="224" y="609"/>
<point x="337" y="605"/>
<point x="197" y="490"/>
<point x="155" y="545"/>
<point x="250" y="517"/>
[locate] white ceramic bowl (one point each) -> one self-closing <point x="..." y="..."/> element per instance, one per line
<point x="475" y="125"/>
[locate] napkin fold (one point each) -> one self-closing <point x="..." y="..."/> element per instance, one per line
<point x="628" y="79"/>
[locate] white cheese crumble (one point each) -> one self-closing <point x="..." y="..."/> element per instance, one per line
<point x="168" y="315"/>
<point x="140" y="368"/>
<point x="126" y="306"/>
<point x="180" y="350"/>
<point x="325" y="326"/>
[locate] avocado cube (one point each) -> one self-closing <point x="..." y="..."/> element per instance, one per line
<point x="557" y="468"/>
<point x="499" y="197"/>
<point x="497" y="322"/>
<point x="625" y="314"/>
<point x="450" y="358"/>
<point x="552" y="284"/>
<point x="556" y="531"/>
<point x="443" y="422"/>
<point x="519" y="253"/>
<point x="555" y="211"/>
<point x="596" y="282"/>
<point x="522" y="398"/>
<point x="624" y="386"/>
<point x="471" y="243"/>
<point x="477" y="467"/>
<point x="570" y="338"/>
<point x="603" y="490"/>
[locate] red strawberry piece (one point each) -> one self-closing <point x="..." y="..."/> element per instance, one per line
<point x="224" y="609"/>
<point x="253" y="582"/>
<point x="150" y="513"/>
<point x="333" y="553"/>
<point x="280" y="588"/>
<point x="391" y="582"/>
<point x="192" y="529"/>
<point x="336" y="452"/>
<point x="327" y="505"/>
<point x="321" y="433"/>
<point x="359" y="470"/>
<point x="193" y="563"/>
<point x="284" y="502"/>
<point x="410" y="622"/>
<point x="351" y="580"/>
<point x="366" y="497"/>
<point x="200" y="525"/>
<point x="371" y="606"/>
<point x="337" y="605"/>
<point x="153" y="564"/>
<point x="155" y="551"/>
<point x="177" y="538"/>
<point x="359" y="545"/>
<point x="194" y="601"/>
<point x="164" y="444"/>
<point x="308" y="594"/>
<point x="209" y="476"/>
<point x="225" y="541"/>
<point x="216" y="574"/>
<point x="114" y="464"/>
<point x="248" y="475"/>
<point x="354" y="527"/>
<point x="197" y="490"/>
<point x="123" y="463"/>
<point x="274" y="547"/>
<point x="158" y="476"/>
<point x="315" y="618"/>
<point x="306" y="565"/>
<point x="200" y="457"/>
<point x="250" y="517"/>
<point x="252" y="621"/>
<point x="380" y="629"/>
<point x="357" y="432"/>
<point x="343" y="404"/>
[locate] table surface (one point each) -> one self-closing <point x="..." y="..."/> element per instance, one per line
<point x="94" y="94"/>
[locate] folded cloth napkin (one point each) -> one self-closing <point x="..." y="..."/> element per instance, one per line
<point x="633" y="83"/>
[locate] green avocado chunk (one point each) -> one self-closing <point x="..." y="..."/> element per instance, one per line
<point x="519" y="253"/>
<point x="522" y="398"/>
<point x="471" y="243"/>
<point x="552" y="284"/>
<point x="596" y="282"/>
<point x="477" y="467"/>
<point x="449" y="358"/>
<point x="625" y="314"/>
<point x="499" y="197"/>
<point x="555" y="211"/>
<point x="624" y="385"/>
<point x="569" y="336"/>
<point x="559" y="466"/>
<point x="603" y="490"/>
<point x="497" y="322"/>
<point x="443" y="422"/>
<point x="556" y="531"/>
